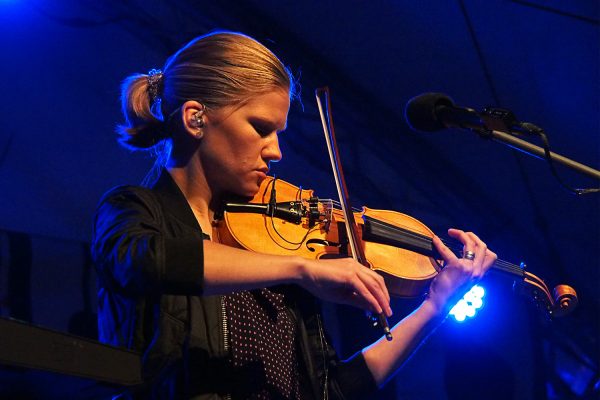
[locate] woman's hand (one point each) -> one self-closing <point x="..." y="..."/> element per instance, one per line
<point x="459" y="274"/>
<point x="345" y="281"/>
<point x="384" y="357"/>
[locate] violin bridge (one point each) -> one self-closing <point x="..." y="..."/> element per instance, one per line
<point x="319" y="212"/>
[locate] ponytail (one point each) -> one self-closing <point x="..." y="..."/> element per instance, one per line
<point x="142" y="129"/>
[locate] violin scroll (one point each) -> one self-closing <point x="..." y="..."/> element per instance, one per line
<point x="565" y="300"/>
<point x="561" y="302"/>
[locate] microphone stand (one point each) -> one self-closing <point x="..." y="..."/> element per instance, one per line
<point x="502" y="126"/>
<point x="510" y="140"/>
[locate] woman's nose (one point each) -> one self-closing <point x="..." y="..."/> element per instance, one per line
<point x="271" y="151"/>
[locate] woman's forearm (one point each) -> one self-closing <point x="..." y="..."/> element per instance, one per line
<point x="228" y="269"/>
<point x="385" y="357"/>
<point x="341" y="280"/>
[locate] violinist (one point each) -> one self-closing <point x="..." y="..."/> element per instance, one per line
<point x="218" y="322"/>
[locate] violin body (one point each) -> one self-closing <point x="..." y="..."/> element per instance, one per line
<point x="395" y="245"/>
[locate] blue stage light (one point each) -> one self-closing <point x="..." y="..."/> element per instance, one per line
<point x="469" y="304"/>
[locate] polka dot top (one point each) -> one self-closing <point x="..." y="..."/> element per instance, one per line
<point x="262" y="344"/>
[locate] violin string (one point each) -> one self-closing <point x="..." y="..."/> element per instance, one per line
<point x="339" y="205"/>
<point x="405" y="229"/>
<point x="426" y="240"/>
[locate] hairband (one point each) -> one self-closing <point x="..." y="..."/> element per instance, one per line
<point x="155" y="80"/>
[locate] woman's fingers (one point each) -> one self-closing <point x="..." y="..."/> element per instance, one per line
<point x="459" y="274"/>
<point x="444" y="251"/>
<point x="480" y="254"/>
<point x="364" y="297"/>
<point x="376" y="280"/>
<point x="375" y="290"/>
<point x="346" y="281"/>
<point x="469" y="240"/>
<point x="489" y="260"/>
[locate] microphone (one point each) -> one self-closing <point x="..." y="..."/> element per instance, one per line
<point x="432" y="112"/>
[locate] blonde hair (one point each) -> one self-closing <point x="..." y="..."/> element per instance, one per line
<point x="218" y="69"/>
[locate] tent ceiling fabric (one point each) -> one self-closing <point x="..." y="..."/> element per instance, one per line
<point x="538" y="58"/>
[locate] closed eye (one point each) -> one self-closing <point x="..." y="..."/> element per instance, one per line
<point x="265" y="126"/>
<point x="263" y="131"/>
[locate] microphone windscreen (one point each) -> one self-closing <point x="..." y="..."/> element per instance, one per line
<point x="420" y="111"/>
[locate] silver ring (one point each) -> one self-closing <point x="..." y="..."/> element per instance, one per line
<point x="469" y="255"/>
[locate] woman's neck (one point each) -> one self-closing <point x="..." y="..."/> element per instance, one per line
<point x="194" y="186"/>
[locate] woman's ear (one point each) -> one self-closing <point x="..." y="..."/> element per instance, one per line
<point x="193" y="118"/>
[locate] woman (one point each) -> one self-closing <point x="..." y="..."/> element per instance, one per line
<point x="216" y="322"/>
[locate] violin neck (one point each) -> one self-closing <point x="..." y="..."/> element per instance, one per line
<point x="381" y="232"/>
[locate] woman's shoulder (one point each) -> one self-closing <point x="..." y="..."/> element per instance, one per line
<point x="124" y="197"/>
<point x="126" y="193"/>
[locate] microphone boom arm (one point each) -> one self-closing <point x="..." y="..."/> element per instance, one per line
<point x="537" y="151"/>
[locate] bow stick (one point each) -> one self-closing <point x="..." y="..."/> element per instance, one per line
<point x="323" y="97"/>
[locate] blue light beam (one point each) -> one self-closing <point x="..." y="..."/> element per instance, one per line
<point x="469" y="304"/>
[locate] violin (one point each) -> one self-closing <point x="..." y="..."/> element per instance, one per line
<point x="287" y="220"/>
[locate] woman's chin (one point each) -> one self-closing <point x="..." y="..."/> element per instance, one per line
<point x="248" y="190"/>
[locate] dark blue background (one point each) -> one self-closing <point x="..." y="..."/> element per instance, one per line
<point x="62" y="63"/>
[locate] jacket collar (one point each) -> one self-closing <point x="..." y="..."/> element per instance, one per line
<point x="173" y="200"/>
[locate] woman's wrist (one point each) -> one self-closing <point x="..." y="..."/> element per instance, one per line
<point x="299" y="271"/>
<point x="433" y="311"/>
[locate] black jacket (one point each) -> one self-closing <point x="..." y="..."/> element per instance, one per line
<point x="147" y="248"/>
